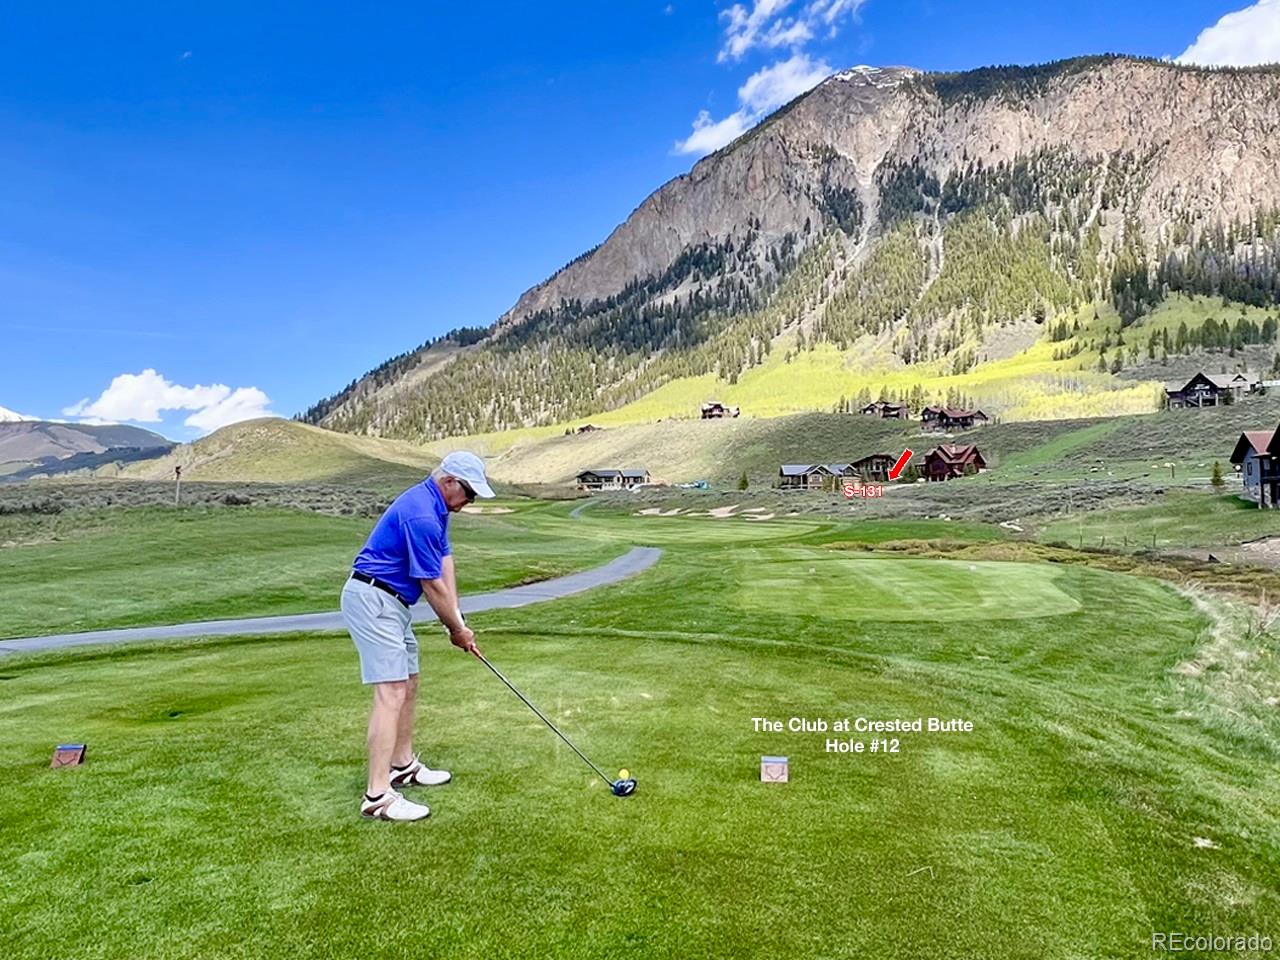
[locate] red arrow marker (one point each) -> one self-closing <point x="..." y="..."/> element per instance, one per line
<point x="902" y="462"/>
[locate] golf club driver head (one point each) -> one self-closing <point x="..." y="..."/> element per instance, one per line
<point x="624" y="788"/>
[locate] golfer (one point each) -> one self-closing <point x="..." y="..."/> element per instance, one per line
<point x="407" y="556"/>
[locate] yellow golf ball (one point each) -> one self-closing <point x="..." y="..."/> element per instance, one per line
<point x="624" y="774"/>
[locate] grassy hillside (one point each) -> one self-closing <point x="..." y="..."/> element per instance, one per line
<point x="284" y="451"/>
<point x="1048" y="380"/>
<point x="720" y="450"/>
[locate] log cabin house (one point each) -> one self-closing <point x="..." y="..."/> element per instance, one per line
<point x="609" y="479"/>
<point x="947" y="461"/>
<point x="887" y="410"/>
<point x="1210" y="389"/>
<point x="804" y="476"/>
<point x="715" y="410"/>
<point x="951" y="418"/>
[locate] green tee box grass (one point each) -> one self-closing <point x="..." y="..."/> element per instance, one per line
<point x="86" y="570"/>
<point x="217" y="814"/>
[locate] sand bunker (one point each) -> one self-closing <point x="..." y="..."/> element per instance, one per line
<point x="472" y="508"/>
<point x="758" y="516"/>
<point x="721" y="513"/>
<point x="658" y="512"/>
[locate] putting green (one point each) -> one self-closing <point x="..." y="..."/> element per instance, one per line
<point x="873" y="588"/>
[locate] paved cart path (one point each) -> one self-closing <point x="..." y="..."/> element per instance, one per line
<point x="630" y="563"/>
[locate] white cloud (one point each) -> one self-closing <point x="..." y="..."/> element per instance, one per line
<point x="762" y="93"/>
<point x="1240" y="39"/>
<point x="831" y="11"/>
<point x="745" y="26"/>
<point x="768" y="89"/>
<point x="710" y="135"/>
<point x="770" y="25"/>
<point x="774" y="24"/>
<point x="141" y="397"/>
<point x="245" y="403"/>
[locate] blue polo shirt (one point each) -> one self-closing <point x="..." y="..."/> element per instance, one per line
<point x="409" y="541"/>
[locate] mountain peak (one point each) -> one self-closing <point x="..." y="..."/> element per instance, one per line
<point x="876" y="76"/>
<point x="9" y="416"/>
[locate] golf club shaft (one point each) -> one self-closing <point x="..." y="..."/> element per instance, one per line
<point x="512" y="687"/>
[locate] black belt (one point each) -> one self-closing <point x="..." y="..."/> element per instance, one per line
<point x="380" y="584"/>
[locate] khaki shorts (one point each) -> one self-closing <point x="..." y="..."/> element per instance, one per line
<point x="382" y="629"/>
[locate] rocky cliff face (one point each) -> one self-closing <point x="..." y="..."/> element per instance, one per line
<point x="887" y="211"/>
<point x="775" y="174"/>
<point x="1208" y="143"/>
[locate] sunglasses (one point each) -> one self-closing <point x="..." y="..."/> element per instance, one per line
<point x="466" y="489"/>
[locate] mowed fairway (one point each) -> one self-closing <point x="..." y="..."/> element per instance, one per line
<point x="217" y="814"/>
<point x="94" y="569"/>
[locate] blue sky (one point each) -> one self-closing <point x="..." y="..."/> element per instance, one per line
<point x="204" y="215"/>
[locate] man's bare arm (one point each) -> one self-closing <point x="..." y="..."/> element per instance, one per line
<point x="444" y="602"/>
<point x="443" y="597"/>
<point x="449" y="576"/>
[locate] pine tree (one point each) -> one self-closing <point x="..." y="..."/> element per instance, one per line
<point x="1216" y="478"/>
<point x="742" y="481"/>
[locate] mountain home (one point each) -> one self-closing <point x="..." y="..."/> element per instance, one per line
<point x="1257" y="457"/>
<point x="947" y="461"/>
<point x="715" y="410"/>
<point x="609" y="479"/>
<point x="814" y="476"/>
<point x="887" y="410"/>
<point x="803" y="476"/>
<point x="1210" y="389"/>
<point x="875" y="466"/>
<point x="951" y="418"/>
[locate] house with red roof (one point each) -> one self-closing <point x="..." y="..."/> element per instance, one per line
<point x="947" y="461"/>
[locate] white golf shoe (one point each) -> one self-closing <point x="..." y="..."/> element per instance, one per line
<point x="418" y="774"/>
<point x="392" y="806"/>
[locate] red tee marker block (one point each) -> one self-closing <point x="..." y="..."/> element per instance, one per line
<point x="774" y="770"/>
<point x="68" y="755"/>
<point x="897" y="467"/>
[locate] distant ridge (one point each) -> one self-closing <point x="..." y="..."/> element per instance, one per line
<point x="40" y="447"/>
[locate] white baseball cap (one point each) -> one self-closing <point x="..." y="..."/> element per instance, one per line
<point x="469" y="468"/>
